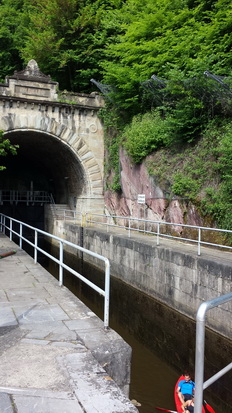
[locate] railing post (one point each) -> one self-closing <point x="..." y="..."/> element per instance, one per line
<point x="10" y="229"/>
<point x="20" y="236"/>
<point x="129" y="233"/>
<point x="199" y="242"/>
<point x="199" y="358"/>
<point x="4" y="225"/>
<point x="35" y="247"/>
<point x="61" y="262"/>
<point x="200" y="346"/>
<point x="158" y="233"/>
<point x="107" y="294"/>
<point x="1" y="223"/>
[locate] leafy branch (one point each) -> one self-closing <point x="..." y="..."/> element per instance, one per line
<point x="6" y="147"/>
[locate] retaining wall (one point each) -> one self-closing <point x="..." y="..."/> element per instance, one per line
<point x="176" y="277"/>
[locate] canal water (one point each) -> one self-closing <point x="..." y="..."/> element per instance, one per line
<point x="162" y="341"/>
<point x="152" y="379"/>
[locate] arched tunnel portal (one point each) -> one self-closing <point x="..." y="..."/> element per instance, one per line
<point x="61" y="144"/>
<point x="43" y="163"/>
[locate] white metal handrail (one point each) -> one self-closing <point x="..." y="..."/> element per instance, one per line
<point x="200" y="343"/>
<point x="155" y="227"/>
<point x="62" y="213"/>
<point x="105" y="293"/>
<point x="29" y="197"/>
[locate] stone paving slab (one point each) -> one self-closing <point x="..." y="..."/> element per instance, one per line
<point x="6" y="403"/>
<point x="41" y="405"/>
<point x="55" y="356"/>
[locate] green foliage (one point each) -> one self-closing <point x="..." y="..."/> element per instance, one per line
<point x="182" y="117"/>
<point x="125" y="42"/>
<point x="145" y="134"/>
<point x="11" y="36"/>
<point x="68" y="38"/>
<point x="6" y="147"/>
<point x="187" y="120"/>
<point x="201" y="173"/>
<point x="111" y="123"/>
<point x="224" y="200"/>
<point x="185" y="186"/>
<point x="158" y="36"/>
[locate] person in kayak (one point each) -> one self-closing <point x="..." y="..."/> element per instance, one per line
<point x="185" y="388"/>
<point x="188" y="406"/>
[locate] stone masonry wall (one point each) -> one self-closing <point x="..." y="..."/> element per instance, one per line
<point x="178" y="278"/>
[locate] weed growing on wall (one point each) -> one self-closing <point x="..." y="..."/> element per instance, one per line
<point x="112" y="141"/>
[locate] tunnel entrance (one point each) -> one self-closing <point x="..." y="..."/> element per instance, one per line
<point x="61" y="143"/>
<point x="43" y="163"/>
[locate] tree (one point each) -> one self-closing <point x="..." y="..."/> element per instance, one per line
<point x="160" y="35"/>
<point x="68" y="39"/>
<point x="6" y="147"/>
<point x="12" y="23"/>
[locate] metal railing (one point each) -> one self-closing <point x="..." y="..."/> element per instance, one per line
<point x="7" y="223"/>
<point x="64" y="214"/>
<point x="28" y="197"/>
<point x="200" y="343"/>
<point x="151" y="227"/>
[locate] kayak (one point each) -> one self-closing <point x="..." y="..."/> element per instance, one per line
<point x="206" y="408"/>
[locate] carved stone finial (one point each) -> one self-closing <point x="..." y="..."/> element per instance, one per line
<point x="32" y="68"/>
<point x="32" y="72"/>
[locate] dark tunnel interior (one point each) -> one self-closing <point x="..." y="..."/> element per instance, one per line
<point x="42" y="163"/>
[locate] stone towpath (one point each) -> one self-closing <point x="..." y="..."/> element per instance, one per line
<point x="54" y="351"/>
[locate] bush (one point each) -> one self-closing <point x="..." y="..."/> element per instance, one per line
<point x="145" y="134"/>
<point x="187" y="120"/>
<point x="184" y="186"/>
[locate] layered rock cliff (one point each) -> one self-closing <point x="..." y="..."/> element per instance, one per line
<point x="159" y="205"/>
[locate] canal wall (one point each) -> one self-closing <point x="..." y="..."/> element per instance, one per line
<point x="174" y="274"/>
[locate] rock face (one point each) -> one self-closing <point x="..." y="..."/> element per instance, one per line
<point x="135" y="180"/>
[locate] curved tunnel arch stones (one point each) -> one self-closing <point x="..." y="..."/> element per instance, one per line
<point x="73" y="133"/>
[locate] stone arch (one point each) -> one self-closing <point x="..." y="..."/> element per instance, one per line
<point x="69" y="137"/>
<point x="40" y="123"/>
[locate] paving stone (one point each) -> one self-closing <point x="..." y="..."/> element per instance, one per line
<point x="88" y="323"/>
<point x="96" y="391"/>
<point x="52" y="330"/>
<point x="41" y="313"/>
<point x="32" y="341"/>
<point x="17" y="294"/>
<point x="5" y="403"/>
<point x="46" y="405"/>
<point x="3" y="296"/>
<point x="78" y="347"/>
<point x="7" y="317"/>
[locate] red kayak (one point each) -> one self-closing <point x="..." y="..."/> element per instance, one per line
<point x="206" y="408"/>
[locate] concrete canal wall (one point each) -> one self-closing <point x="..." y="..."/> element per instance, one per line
<point x="173" y="274"/>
